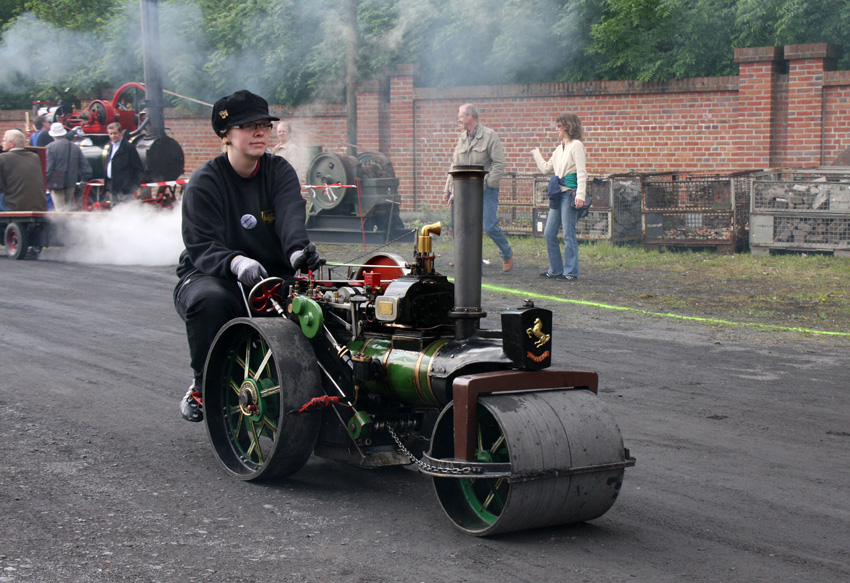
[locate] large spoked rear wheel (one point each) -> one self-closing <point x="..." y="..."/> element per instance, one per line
<point x="259" y="373"/>
<point x="566" y="454"/>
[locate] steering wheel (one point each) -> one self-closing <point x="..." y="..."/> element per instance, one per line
<point x="263" y="296"/>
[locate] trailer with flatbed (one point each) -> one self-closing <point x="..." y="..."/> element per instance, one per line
<point x="26" y="233"/>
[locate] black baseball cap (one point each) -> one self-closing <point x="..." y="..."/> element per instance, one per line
<point x="238" y="108"/>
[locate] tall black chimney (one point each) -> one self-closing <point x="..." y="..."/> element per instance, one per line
<point x="151" y="56"/>
<point x="161" y="154"/>
<point x="468" y="236"/>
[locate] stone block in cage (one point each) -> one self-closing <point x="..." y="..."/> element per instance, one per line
<point x="839" y="198"/>
<point x="761" y="229"/>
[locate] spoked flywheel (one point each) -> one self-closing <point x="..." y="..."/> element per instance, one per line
<point x="565" y="456"/>
<point x="259" y="373"/>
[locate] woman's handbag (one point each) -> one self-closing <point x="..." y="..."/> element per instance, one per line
<point x="585" y="210"/>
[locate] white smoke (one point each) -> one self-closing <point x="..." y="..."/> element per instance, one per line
<point x="33" y="49"/>
<point x="132" y="233"/>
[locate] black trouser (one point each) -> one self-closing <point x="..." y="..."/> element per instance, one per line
<point x="205" y="304"/>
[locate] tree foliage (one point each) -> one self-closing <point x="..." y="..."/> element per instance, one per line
<point x="293" y="51"/>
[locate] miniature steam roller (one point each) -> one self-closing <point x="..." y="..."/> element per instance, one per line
<point x="384" y="363"/>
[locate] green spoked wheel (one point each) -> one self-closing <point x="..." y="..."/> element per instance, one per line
<point x="259" y="373"/>
<point x="566" y="460"/>
<point x="486" y="497"/>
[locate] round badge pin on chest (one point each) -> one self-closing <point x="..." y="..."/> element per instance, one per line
<point x="248" y="221"/>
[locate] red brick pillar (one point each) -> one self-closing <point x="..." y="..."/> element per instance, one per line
<point x="806" y="65"/>
<point x="369" y="116"/>
<point x="756" y="87"/>
<point x="401" y="133"/>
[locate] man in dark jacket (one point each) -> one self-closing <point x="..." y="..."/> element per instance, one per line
<point x="21" y="179"/>
<point x="66" y="165"/>
<point x="123" y="165"/>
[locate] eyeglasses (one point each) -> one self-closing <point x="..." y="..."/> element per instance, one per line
<point x="256" y="125"/>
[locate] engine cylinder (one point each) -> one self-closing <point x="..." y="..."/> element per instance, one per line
<point x="403" y="374"/>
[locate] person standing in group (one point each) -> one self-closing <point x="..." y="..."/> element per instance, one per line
<point x="41" y="136"/>
<point x="567" y="194"/>
<point x="66" y="165"/>
<point x="478" y="145"/>
<point x="123" y="167"/>
<point x="288" y="148"/>
<point x="21" y="178"/>
<point x="243" y="220"/>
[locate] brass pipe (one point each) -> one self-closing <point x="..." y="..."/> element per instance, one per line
<point x="424" y="244"/>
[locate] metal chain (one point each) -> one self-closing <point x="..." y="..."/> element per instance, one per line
<point x="429" y="468"/>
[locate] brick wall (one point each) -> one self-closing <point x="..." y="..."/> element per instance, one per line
<point x="836" y="130"/>
<point x="787" y="107"/>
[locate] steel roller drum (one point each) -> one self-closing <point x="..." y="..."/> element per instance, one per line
<point x="558" y="443"/>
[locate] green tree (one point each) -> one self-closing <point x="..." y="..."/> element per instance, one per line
<point x="80" y="15"/>
<point x="9" y="9"/>
<point x="782" y="22"/>
<point x="293" y="51"/>
<point x="665" y="39"/>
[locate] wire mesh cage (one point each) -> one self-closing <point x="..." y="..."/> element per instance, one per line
<point x="801" y="209"/>
<point x="802" y="190"/>
<point x="516" y="203"/>
<point x="614" y="216"/>
<point x="697" y="210"/>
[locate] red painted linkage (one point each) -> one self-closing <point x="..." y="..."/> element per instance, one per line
<point x="322" y="401"/>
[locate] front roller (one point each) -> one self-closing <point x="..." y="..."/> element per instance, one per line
<point x="258" y="373"/>
<point x="545" y="458"/>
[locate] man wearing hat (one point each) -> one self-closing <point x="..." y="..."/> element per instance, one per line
<point x="243" y="221"/>
<point x="66" y="165"/>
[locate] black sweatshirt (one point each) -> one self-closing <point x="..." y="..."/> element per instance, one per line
<point x="225" y="215"/>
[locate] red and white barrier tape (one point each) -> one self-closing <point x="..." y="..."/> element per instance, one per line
<point x="326" y="186"/>
<point x="169" y="183"/>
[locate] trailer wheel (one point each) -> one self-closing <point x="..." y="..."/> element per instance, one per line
<point x="259" y="373"/>
<point x="16" y="238"/>
<point x="566" y="455"/>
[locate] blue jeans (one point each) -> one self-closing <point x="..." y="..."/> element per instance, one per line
<point x="3" y="205"/>
<point x="491" y="223"/>
<point x="563" y="215"/>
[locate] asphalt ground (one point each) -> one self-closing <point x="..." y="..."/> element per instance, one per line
<point x="740" y="436"/>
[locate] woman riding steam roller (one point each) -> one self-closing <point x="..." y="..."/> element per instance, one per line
<point x="243" y="221"/>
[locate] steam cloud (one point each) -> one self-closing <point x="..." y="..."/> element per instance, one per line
<point x="452" y="41"/>
<point x="130" y="234"/>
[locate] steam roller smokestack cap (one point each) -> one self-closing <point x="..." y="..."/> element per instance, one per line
<point x="238" y="108"/>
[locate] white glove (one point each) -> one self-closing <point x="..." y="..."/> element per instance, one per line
<point x="248" y="271"/>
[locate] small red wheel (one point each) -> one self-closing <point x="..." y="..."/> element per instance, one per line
<point x="263" y="296"/>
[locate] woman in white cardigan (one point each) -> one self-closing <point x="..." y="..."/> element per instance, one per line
<point x="567" y="194"/>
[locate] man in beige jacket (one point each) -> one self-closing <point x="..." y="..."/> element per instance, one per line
<point x="478" y="145"/>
